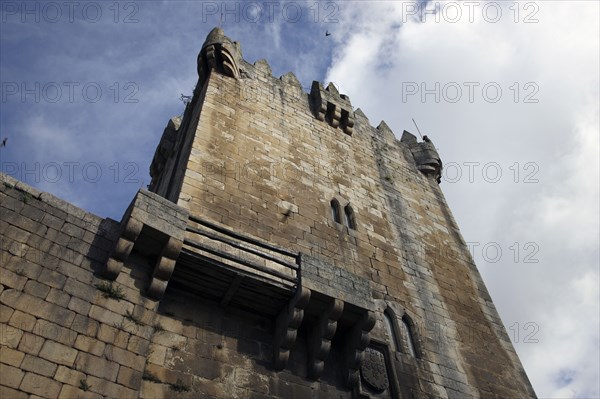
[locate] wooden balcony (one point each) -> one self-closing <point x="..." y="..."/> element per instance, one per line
<point x="234" y="269"/>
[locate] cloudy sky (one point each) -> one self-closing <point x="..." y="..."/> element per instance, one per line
<point x="508" y="92"/>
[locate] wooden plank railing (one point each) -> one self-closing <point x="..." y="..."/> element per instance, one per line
<point x="245" y="244"/>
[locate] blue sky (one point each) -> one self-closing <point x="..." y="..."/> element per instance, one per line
<point x="508" y="92"/>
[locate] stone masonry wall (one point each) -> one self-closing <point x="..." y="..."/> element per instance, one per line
<point x="60" y="335"/>
<point x="251" y="154"/>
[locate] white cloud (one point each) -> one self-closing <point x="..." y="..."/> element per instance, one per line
<point x="553" y="141"/>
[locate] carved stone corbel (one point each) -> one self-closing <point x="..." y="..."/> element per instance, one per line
<point x="156" y="227"/>
<point x="120" y="252"/>
<point x="334" y="114"/>
<point x="286" y="328"/>
<point x="164" y="268"/>
<point x="319" y="343"/>
<point x="357" y="340"/>
<point x="321" y="109"/>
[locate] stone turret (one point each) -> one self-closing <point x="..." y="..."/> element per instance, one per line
<point x="220" y="53"/>
<point x="425" y="154"/>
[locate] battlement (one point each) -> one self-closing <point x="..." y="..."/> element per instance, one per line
<point x="256" y="81"/>
<point x="331" y="106"/>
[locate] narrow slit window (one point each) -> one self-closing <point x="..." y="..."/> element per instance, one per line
<point x="391" y="329"/>
<point x="408" y="336"/>
<point x="350" y="221"/>
<point x="335" y="211"/>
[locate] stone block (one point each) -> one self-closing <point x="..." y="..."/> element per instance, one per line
<point x="112" y="335"/>
<point x="157" y="354"/>
<point x="58" y="297"/>
<point x="5" y="313"/>
<point x="38" y="366"/>
<point x="69" y="376"/>
<point x="90" y="345"/>
<point x="152" y="390"/>
<point x="72" y="392"/>
<point x="22" y="321"/>
<point x="52" y="221"/>
<point x="10" y="336"/>
<point x="39" y="385"/>
<point x="121" y="307"/>
<point x="24" y="267"/>
<point x="124" y="357"/>
<point x="10" y="356"/>
<point x="85" y="325"/>
<point x="31" y="344"/>
<point x="138" y="345"/>
<point x="130" y="378"/>
<point x="11" y="279"/>
<point x="9" y="393"/>
<point x="105" y="316"/>
<point x="81" y="273"/>
<point x="37" y="289"/>
<point x="10" y="376"/>
<point x="52" y="278"/>
<point x="87" y="292"/>
<point x="96" y="366"/>
<point x="169" y="339"/>
<point x="55" y="332"/>
<point x="58" y="353"/>
<point x="110" y="389"/>
<point x="37" y="307"/>
<point x="72" y="230"/>
<point x="17" y="234"/>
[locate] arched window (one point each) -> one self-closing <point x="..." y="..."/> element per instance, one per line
<point x="390" y="326"/>
<point x="335" y="211"/>
<point x="407" y="331"/>
<point x="350" y="221"/>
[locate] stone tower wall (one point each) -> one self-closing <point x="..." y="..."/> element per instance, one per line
<point x="261" y="162"/>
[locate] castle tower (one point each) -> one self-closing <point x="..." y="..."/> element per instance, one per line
<point x="285" y="249"/>
<point x="355" y="254"/>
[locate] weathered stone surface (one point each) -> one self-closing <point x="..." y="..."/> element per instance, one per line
<point x="10" y="376"/>
<point x="38" y="366"/>
<point x="10" y="336"/>
<point x="31" y="343"/>
<point x="6" y="392"/>
<point x="57" y="353"/>
<point x="258" y="156"/>
<point x="96" y="366"/>
<point x="70" y="392"/>
<point x="11" y="356"/>
<point x="90" y="345"/>
<point x="58" y="297"/>
<point x="39" y="385"/>
<point x="22" y="321"/>
<point x="37" y="307"/>
<point x="55" y="332"/>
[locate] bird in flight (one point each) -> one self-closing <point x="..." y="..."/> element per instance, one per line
<point x="327" y="33"/>
<point x="4" y="141"/>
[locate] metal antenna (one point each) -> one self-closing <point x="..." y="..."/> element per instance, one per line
<point x="413" y="119"/>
